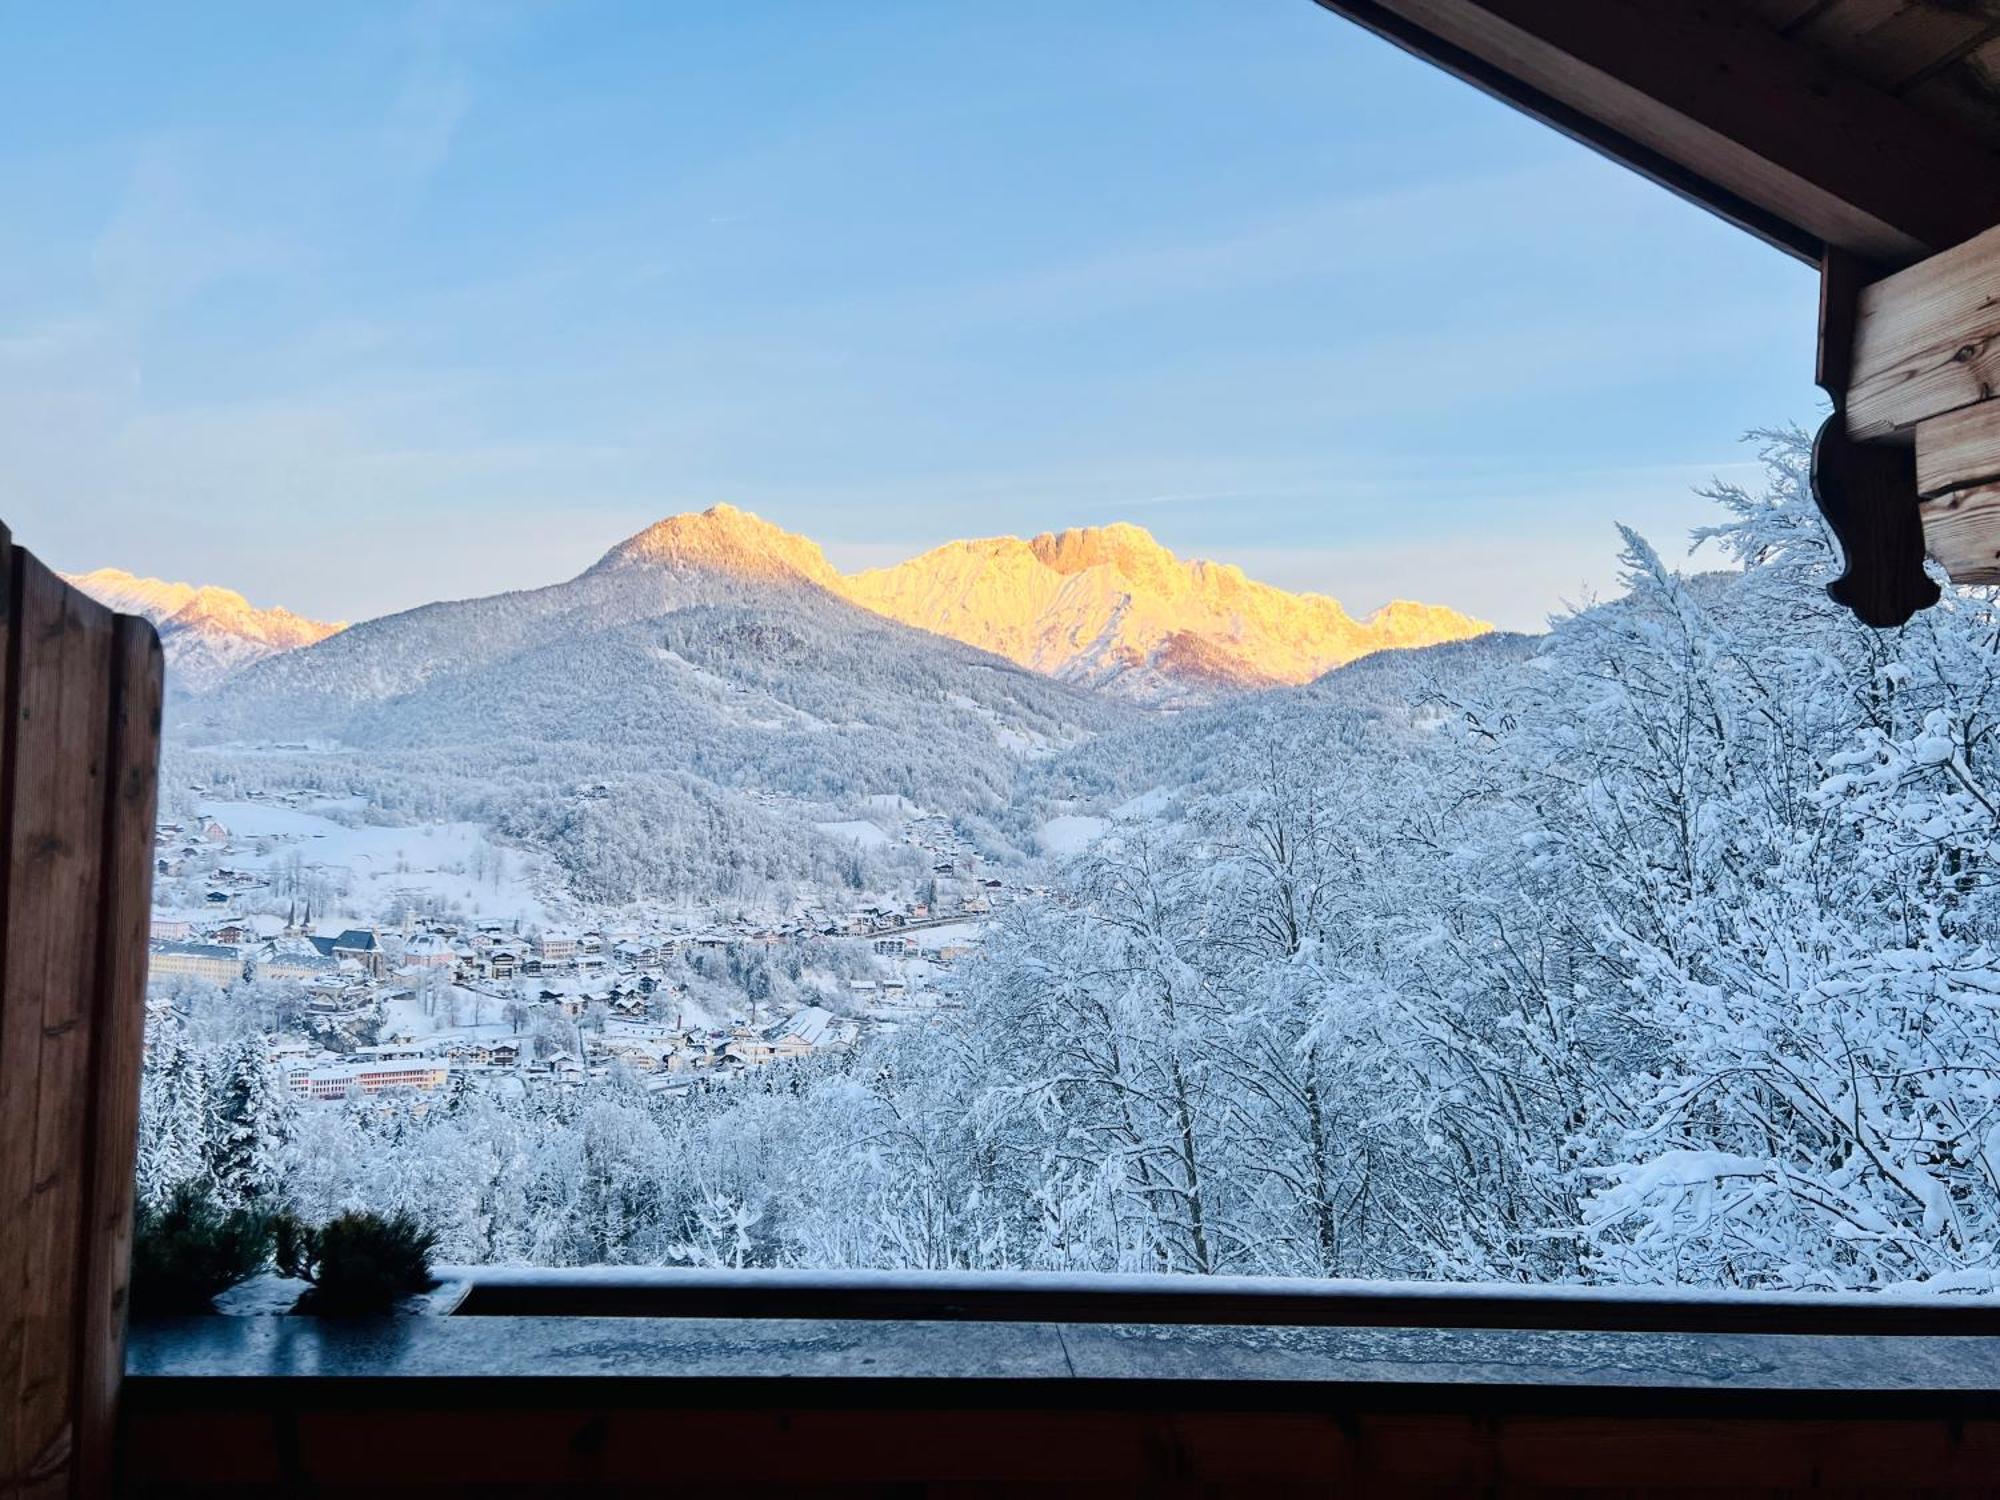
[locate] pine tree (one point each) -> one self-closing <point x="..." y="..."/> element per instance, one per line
<point x="250" y="1126"/>
<point x="173" y="1115"/>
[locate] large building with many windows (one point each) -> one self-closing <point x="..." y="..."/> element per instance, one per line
<point x="215" y="963"/>
<point x="388" y="1075"/>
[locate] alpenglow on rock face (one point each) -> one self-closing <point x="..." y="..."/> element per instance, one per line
<point x="1109" y="607"/>
<point x="206" y="632"/>
<point x="725" y="540"/>
<point x="1105" y="608"/>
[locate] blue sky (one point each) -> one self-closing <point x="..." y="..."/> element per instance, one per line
<point x="356" y="306"/>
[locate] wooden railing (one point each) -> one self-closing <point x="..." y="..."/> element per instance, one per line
<point x="1207" y="1301"/>
<point x="79" y="745"/>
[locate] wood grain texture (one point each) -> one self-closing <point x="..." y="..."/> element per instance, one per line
<point x="78" y="743"/>
<point x="55" y="847"/>
<point x="1962" y="531"/>
<point x="132" y="788"/>
<point x="1926" y="341"/>
<point x="1959" y="449"/>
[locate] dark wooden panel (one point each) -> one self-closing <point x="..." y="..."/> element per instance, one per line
<point x="81" y="694"/>
<point x="1780" y="15"/>
<point x="912" y="1298"/>
<point x="1243" y="1443"/>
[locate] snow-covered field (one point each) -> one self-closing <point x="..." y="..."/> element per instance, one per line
<point x="1145" y="805"/>
<point x="856" y="830"/>
<point x="455" y="862"/>
<point x="949" y="935"/>
<point x="1072" y="833"/>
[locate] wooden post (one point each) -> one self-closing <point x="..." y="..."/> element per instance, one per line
<point x="79" y="745"/>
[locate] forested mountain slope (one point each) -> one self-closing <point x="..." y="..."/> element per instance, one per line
<point x="701" y="668"/>
<point x="1352" y="717"/>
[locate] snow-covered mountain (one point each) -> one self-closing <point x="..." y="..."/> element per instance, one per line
<point x="206" y="632"/>
<point x="705" y="684"/>
<point x="1106" y="608"/>
<point x="1109" y="607"/>
<point x="725" y="540"/>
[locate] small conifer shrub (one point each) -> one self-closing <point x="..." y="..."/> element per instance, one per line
<point x="186" y="1252"/>
<point x="358" y="1263"/>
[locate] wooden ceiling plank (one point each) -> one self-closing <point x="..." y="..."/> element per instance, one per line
<point x="1965" y="91"/>
<point x="1749" y="117"/>
<point x="1926" y="341"/>
<point x="1842" y="20"/>
<point x="1891" y="43"/>
<point x="1784" y="14"/>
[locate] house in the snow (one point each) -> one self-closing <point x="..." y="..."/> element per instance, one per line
<point x="357" y="945"/>
<point x="802" y="1034"/>
<point x="427" y="950"/>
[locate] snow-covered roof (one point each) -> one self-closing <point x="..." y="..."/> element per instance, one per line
<point x="813" y="1026"/>
<point x="197" y="950"/>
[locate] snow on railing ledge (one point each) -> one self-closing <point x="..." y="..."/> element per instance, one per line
<point x="1093" y="1297"/>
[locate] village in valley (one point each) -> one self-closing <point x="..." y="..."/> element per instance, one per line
<point x="409" y="960"/>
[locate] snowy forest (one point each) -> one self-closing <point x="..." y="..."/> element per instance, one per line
<point x="1664" y="949"/>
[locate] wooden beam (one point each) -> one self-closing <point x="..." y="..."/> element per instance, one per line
<point x="1926" y="341"/>
<point x="1714" y="104"/>
<point x="1958" y="480"/>
<point x="119" y="1031"/>
<point x="1961" y="529"/>
<point x="1959" y="450"/>
<point x="79" y="736"/>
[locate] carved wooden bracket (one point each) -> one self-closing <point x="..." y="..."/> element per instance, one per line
<point x="1868" y="494"/>
<point x="1866" y="491"/>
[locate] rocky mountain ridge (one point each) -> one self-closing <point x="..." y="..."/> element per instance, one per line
<point x="1110" y="608"/>
<point x="207" y="633"/>
<point x="1104" y="608"/>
